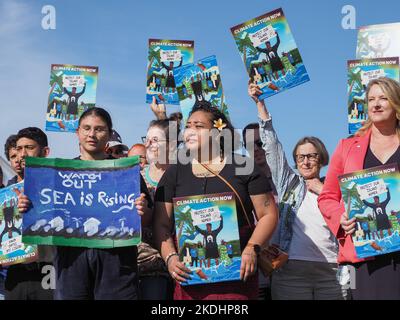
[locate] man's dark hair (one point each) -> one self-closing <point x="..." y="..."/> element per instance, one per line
<point x="11" y="142"/>
<point x="34" y="134"/>
<point x="253" y="126"/>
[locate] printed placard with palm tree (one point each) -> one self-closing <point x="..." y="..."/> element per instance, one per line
<point x="270" y="54"/>
<point x="163" y="58"/>
<point x="372" y="197"/>
<point x="72" y="91"/>
<point x="208" y="237"/>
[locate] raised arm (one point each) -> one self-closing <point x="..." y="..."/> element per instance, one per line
<point x="221" y="225"/>
<point x="387" y="198"/>
<point x="180" y="64"/>
<point x="278" y="42"/>
<point x="261" y="50"/>
<point x="282" y="174"/>
<point x="164" y="65"/>
<point x="368" y="204"/>
<point x="202" y="232"/>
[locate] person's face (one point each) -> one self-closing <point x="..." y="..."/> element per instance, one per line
<point x="308" y="161"/>
<point x="376" y="200"/>
<point x="259" y="154"/>
<point x="29" y="148"/>
<point x="156" y="145"/>
<point x="93" y="134"/>
<point x="13" y="155"/>
<point x="141" y="152"/>
<point x="73" y="90"/>
<point x="268" y="45"/>
<point x="116" y="152"/>
<point x="197" y="130"/>
<point x="208" y="227"/>
<point x="379" y="108"/>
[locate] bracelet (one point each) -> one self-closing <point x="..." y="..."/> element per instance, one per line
<point x="170" y="256"/>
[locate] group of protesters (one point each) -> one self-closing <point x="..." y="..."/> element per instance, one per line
<point x="292" y="207"/>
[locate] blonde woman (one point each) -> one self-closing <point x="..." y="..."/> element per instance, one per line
<point x="375" y="144"/>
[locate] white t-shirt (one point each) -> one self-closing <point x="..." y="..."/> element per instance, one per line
<point x="312" y="240"/>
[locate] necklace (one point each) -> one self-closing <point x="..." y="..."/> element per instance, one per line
<point x="201" y="172"/>
<point x="148" y="178"/>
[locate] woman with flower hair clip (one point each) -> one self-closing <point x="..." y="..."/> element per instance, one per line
<point x="212" y="165"/>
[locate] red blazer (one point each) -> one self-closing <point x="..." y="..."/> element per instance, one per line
<point x="348" y="157"/>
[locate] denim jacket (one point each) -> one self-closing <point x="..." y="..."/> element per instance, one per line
<point x="290" y="186"/>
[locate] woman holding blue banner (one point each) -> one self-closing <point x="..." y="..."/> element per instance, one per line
<point x="213" y="168"/>
<point x="375" y="144"/>
<point x="85" y="273"/>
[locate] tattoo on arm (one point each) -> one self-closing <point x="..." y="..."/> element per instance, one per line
<point x="267" y="203"/>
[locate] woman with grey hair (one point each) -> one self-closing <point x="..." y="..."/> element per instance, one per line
<point x="310" y="272"/>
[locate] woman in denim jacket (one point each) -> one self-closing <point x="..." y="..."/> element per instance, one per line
<point x="311" y="270"/>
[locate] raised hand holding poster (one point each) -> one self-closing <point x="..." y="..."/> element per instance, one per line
<point x="82" y="203"/>
<point x="270" y="54"/>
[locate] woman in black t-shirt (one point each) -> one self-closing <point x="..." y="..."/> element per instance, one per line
<point x="193" y="179"/>
<point x="92" y="273"/>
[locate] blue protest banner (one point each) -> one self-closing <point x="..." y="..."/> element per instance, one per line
<point x="82" y="203"/>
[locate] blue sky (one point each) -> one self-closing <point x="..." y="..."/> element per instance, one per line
<point x="114" y="36"/>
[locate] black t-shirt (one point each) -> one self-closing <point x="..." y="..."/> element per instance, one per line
<point x="371" y="160"/>
<point x="179" y="181"/>
<point x="12" y="181"/>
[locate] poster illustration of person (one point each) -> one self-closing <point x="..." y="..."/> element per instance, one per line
<point x="200" y="81"/>
<point x="72" y="91"/>
<point x="12" y="249"/>
<point x="371" y="197"/>
<point x="164" y="57"/>
<point x="208" y="237"/>
<point x="359" y="74"/>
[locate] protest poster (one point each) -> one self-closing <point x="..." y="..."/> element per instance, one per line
<point x="72" y="91"/>
<point x="164" y="57"/>
<point x="12" y="250"/>
<point x="371" y="196"/>
<point x="197" y="82"/>
<point x="270" y="54"/>
<point x="82" y="203"/>
<point x="378" y="41"/>
<point x="208" y="237"/>
<point x="359" y="74"/>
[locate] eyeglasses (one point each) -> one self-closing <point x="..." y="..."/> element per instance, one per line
<point x="310" y="156"/>
<point x="153" y="140"/>
<point x="97" y="130"/>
